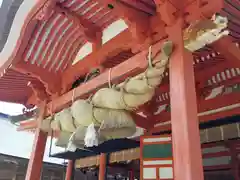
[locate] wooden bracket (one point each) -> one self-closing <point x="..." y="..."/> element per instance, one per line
<point x="51" y="82"/>
<point x="166" y="11"/>
<point x="90" y="31"/>
<point x="38" y="91"/>
<point x="170" y="11"/>
<point x="138" y="22"/>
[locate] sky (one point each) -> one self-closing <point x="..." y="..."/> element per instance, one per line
<point x="17" y="143"/>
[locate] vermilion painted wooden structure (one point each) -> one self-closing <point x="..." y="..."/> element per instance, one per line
<point x="40" y="67"/>
<point x="69" y="172"/>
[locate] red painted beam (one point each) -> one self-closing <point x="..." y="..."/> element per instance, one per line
<point x="27" y="28"/>
<point x="219" y="115"/>
<point x="218" y="102"/>
<point x="204" y="106"/>
<point x="229" y="50"/>
<point x="216" y="154"/>
<point x="205" y="118"/>
<point x="116" y="45"/>
<point x="142" y="122"/>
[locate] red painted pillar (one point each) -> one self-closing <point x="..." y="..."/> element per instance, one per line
<point x="102" y="166"/>
<point x="131" y="175"/>
<point x="69" y="170"/>
<point x="35" y="161"/>
<point x="185" y="125"/>
<point x="97" y="43"/>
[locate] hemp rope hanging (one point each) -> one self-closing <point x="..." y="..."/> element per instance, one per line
<point x="114" y="122"/>
<point x="108" y="110"/>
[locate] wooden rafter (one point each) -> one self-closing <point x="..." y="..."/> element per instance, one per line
<point x="91" y="32"/>
<point x="46" y="10"/>
<point x="202" y="76"/>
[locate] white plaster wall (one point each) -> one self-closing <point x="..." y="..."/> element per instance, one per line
<point x="108" y="33"/>
<point x="114" y="29"/>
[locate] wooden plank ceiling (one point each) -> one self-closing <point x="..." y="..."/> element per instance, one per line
<point x="55" y="42"/>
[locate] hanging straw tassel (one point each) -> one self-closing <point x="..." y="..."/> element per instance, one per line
<point x="71" y="146"/>
<point x="91" y="136"/>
